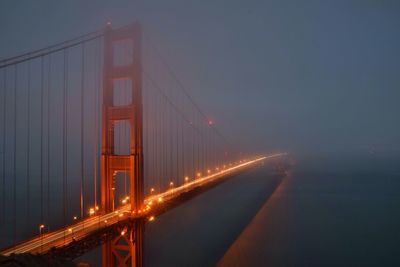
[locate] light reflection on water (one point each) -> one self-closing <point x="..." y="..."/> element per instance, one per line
<point x="198" y="232"/>
<point x="324" y="213"/>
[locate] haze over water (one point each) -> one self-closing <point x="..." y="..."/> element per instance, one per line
<point x="325" y="212"/>
<point x="317" y="79"/>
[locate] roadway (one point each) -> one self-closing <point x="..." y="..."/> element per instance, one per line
<point x="79" y="230"/>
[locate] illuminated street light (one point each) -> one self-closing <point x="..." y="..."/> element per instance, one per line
<point x="151" y="218"/>
<point x="41" y="227"/>
<point x="91" y="211"/>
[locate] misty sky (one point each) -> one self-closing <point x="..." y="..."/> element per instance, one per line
<point x="301" y="76"/>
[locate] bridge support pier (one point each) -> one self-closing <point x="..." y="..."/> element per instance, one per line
<point x="127" y="248"/>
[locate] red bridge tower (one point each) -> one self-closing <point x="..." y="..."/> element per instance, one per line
<point x="126" y="249"/>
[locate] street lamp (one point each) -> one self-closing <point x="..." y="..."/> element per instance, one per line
<point x="70" y="230"/>
<point x="41" y="227"/>
<point x="91" y="211"/>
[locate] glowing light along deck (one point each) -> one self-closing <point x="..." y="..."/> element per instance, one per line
<point x="173" y="192"/>
<point x="83" y="228"/>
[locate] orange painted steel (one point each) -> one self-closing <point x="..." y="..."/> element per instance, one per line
<point x="111" y="163"/>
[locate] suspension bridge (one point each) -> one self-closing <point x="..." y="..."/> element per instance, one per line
<point x="99" y="136"/>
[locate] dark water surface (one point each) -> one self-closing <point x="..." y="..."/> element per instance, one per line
<point x="329" y="215"/>
<point x="323" y="213"/>
<point x="199" y="232"/>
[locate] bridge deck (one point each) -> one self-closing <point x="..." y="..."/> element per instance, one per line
<point x="83" y="229"/>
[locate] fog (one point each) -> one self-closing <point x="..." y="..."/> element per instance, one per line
<point x="311" y="77"/>
<point x="316" y="79"/>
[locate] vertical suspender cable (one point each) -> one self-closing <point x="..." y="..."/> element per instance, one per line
<point x="193" y="145"/>
<point x="156" y="140"/>
<point x="160" y="136"/>
<point x="151" y="139"/>
<point x="206" y="147"/>
<point x="82" y="182"/>
<point x="64" y="137"/>
<point x="159" y="141"/>
<point x="41" y="136"/>
<point x="177" y="142"/>
<point x="15" y="155"/>
<point x="100" y="49"/>
<point x="201" y="145"/>
<point x="171" y="141"/>
<point x="197" y="146"/>
<point x="154" y="144"/>
<point x="164" y="145"/>
<point x="97" y="97"/>
<point x="196" y="141"/>
<point x="125" y="96"/>
<point x="183" y="138"/>
<point x="28" y="142"/>
<point x="48" y="137"/>
<point x="145" y="139"/>
<point x="162" y="133"/>
<point x="209" y="147"/>
<point x="3" y="196"/>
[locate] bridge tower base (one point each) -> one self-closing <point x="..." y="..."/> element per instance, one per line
<point x="126" y="249"/>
